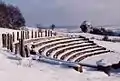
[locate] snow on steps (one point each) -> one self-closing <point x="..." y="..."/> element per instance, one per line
<point x="71" y="52"/>
<point x="81" y="57"/>
<point x="59" y="51"/>
<point x="50" y="40"/>
<point x="84" y="51"/>
<point x="53" y="43"/>
<point x="48" y="50"/>
<point x="61" y="46"/>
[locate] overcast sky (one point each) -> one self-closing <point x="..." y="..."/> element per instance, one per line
<point x="69" y="12"/>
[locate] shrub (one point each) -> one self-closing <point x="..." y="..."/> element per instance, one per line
<point x="105" y="38"/>
<point x="84" y="28"/>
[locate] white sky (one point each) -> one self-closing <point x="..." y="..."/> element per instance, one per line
<point x="69" y="12"/>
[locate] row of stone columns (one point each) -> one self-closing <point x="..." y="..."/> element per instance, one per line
<point x="24" y="35"/>
<point x="7" y="41"/>
<point x="46" y="33"/>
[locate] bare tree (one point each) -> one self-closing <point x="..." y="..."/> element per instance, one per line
<point x="52" y="26"/>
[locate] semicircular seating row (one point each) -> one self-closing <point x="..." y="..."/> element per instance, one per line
<point x="71" y="49"/>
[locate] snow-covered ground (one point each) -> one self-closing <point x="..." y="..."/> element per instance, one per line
<point x="10" y="71"/>
<point x="42" y="71"/>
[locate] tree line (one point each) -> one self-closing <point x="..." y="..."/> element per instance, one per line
<point x="11" y="16"/>
<point x="85" y="27"/>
